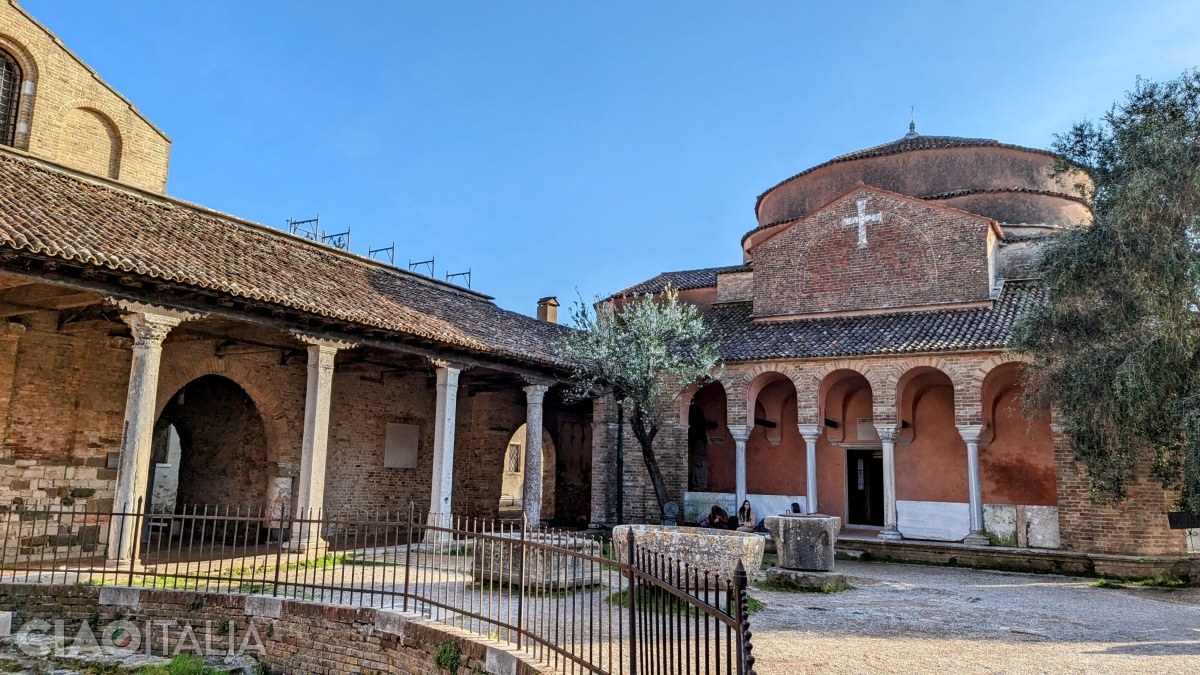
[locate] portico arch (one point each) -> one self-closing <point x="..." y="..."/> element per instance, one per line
<point x="513" y="480"/>
<point x="1017" y="465"/>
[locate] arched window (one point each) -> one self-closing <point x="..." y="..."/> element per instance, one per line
<point x="10" y="97"/>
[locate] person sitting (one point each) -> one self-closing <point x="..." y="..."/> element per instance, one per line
<point x="745" y="518"/>
<point x="717" y="518"/>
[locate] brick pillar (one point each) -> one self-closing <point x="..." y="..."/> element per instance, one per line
<point x="810" y="433"/>
<point x="887" y="436"/>
<point x="149" y="326"/>
<point x="10" y="339"/>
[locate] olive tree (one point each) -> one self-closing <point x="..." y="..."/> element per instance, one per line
<point x="646" y="351"/>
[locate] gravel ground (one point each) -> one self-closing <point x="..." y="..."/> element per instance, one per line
<point x="917" y="619"/>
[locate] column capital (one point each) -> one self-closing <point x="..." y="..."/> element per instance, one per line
<point x="970" y="432"/>
<point x="740" y="432"/>
<point x="136" y="307"/>
<point x="149" y="329"/>
<point x="534" y="393"/>
<point x="887" y="432"/>
<point x="450" y="364"/>
<point x="811" y="432"/>
<point x="323" y="343"/>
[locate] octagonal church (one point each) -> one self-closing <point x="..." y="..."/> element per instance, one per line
<point x="866" y="373"/>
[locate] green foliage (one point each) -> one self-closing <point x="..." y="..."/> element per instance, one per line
<point x="1117" y="344"/>
<point x="646" y="353"/>
<point x="448" y="657"/>
<point x="1107" y="583"/>
<point x="180" y="664"/>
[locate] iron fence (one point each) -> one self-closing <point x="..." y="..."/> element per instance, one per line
<point x="572" y="601"/>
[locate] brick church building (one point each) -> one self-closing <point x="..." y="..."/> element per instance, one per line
<point x="153" y="351"/>
<point x="866" y="374"/>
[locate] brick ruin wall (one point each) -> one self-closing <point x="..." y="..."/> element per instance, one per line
<point x="295" y="636"/>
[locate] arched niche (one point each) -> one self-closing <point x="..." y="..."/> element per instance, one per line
<point x="710" y="447"/>
<point x="90" y="141"/>
<point x="1017" y="465"/>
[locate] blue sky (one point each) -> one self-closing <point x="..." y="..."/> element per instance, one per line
<point x="564" y="147"/>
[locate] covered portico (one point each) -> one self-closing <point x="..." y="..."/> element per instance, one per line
<point x="923" y="448"/>
<point x="170" y="344"/>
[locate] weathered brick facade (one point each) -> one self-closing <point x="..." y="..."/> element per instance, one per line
<point x="68" y="114"/>
<point x="917" y="255"/>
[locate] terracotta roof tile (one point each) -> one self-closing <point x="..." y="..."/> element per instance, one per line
<point x="682" y="280"/>
<point x="744" y="339"/>
<point x="58" y="214"/>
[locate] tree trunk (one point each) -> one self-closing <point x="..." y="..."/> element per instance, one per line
<point x="645" y="431"/>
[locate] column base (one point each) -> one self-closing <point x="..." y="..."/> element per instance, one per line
<point x="891" y="534"/>
<point x="977" y="539"/>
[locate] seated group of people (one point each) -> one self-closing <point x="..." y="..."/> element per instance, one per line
<point x="743" y="521"/>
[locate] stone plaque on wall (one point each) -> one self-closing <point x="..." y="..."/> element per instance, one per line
<point x="400" y="446"/>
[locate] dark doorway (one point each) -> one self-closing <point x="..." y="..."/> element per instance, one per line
<point x="864" y="487"/>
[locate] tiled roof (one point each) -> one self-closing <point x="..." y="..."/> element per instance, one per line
<point x="743" y="339"/>
<point x="55" y="213"/>
<point x="682" y="280"/>
<point x="906" y="144"/>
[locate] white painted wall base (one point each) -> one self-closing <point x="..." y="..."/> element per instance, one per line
<point x="696" y="505"/>
<point x="935" y="521"/>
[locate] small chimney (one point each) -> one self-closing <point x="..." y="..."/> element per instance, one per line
<point x="548" y="309"/>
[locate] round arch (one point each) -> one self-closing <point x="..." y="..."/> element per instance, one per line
<point x="211" y="444"/>
<point x="283" y="445"/>
<point x="512" y="483"/>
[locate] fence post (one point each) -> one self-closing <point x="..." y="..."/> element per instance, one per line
<point x="632" y="608"/>
<point x="135" y="549"/>
<point x="745" y="648"/>
<point x="408" y="551"/>
<point x="521" y="585"/>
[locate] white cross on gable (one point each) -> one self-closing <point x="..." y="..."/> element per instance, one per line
<point x="862" y="219"/>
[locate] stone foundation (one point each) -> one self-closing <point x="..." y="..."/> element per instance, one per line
<point x="716" y="551"/>
<point x="809" y="582"/>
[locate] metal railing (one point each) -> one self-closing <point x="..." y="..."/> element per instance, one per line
<point x="574" y="602"/>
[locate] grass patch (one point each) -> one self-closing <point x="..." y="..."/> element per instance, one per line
<point x="655" y="604"/>
<point x="181" y="664"/>
<point x="448" y="657"/>
<point x="785" y="588"/>
<point x="1160" y="582"/>
<point x="1107" y="583"/>
<point x="769" y="560"/>
<point x="754" y="605"/>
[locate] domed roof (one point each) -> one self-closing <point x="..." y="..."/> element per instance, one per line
<point x="1008" y="183"/>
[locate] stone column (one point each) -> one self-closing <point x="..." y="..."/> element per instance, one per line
<point x="970" y="433"/>
<point x="531" y="495"/>
<point x="310" y="494"/>
<point x="811" y="432"/>
<point x="149" y="326"/>
<point x="887" y="435"/>
<point x="740" y="433"/>
<point x="446" y="408"/>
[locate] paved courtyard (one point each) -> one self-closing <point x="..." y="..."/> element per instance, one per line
<point x="917" y="619"/>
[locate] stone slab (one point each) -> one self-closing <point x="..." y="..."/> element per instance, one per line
<point x="1041" y="527"/>
<point x="121" y="596"/>
<point x="807" y="581"/>
<point x="6" y="624"/>
<point x="500" y="662"/>
<point x="553" y="568"/>
<point x="393" y="623"/>
<point x="935" y="521"/>
<point x="1000" y="521"/>
<point x="261" y="605"/>
<point x="704" y="549"/>
<point x="805" y="542"/>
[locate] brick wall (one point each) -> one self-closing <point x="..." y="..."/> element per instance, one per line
<point x="296" y="637"/>
<point x="918" y="255"/>
<point x="72" y="117"/>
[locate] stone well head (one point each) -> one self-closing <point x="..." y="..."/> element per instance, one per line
<point x="707" y="550"/>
